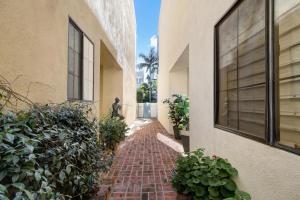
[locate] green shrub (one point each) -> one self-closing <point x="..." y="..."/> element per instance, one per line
<point x="112" y="131"/>
<point x="49" y="152"/>
<point x="139" y="96"/>
<point x="203" y="177"/>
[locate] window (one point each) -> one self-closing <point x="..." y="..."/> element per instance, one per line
<point x="287" y="48"/>
<point x="80" y="65"/>
<point x="241" y="69"/>
<point x="74" y="63"/>
<point x="257" y="72"/>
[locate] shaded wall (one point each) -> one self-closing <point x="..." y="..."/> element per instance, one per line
<point x="111" y="81"/>
<point x="117" y="18"/>
<point x="265" y="172"/>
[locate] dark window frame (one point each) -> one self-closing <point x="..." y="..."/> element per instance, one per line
<point x="74" y="25"/>
<point x="82" y="35"/>
<point x="272" y="132"/>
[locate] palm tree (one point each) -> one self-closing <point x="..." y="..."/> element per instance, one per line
<point x="150" y="62"/>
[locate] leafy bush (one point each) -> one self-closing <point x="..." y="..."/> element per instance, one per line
<point x="112" y="131"/>
<point x="49" y="152"/>
<point x="204" y="178"/>
<point x="139" y="96"/>
<point x="178" y="110"/>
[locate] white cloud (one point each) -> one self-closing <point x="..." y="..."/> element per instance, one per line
<point x="153" y="41"/>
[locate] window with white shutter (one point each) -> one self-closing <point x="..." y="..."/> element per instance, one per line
<point x="80" y="84"/>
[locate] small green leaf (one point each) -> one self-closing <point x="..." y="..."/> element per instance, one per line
<point x="213" y="191"/>
<point x="83" y="146"/>
<point x="232" y="171"/>
<point x="58" y="165"/>
<point x="241" y="195"/>
<point x="62" y="176"/>
<point x="3" y="189"/>
<point x="29" y="166"/>
<point x="197" y="173"/>
<point x="200" y="191"/>
<point x="19" y="186"/>
<point x="13" y="130"/>
<point x="223" y="174"/>
<point x="2" y="174"/>
<point x="2" y="197"/>
<point x="37" y="176"/>
<point x="29" y="194"/>
<point x="15" y="178"/>
<point x="230" y="185"/>
<point x="196" y="180"/>
<point x="226" y="193"/>
<point x="48" y="173"/>
<point x="68" y="169"/>
<point x="15" y="159"/>
<point x="10" y="138"/>
<point x="31" y="156"/>
<point x="30" y="148"/>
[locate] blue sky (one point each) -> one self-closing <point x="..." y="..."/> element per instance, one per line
<point x="147" y="14"/>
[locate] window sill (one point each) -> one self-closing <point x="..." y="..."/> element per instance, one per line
<point x="240" y="133"/>
<point x="260" y="140"/>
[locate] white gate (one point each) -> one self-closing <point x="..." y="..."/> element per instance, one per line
<point x="147" y="110"/>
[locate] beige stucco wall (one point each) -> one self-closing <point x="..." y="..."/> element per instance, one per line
<point x="265" y="172"/>
<point x="34" y="45"/>
<point x="111" y="85"/>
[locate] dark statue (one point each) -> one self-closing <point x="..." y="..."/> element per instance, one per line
<point x="116" y="107"/>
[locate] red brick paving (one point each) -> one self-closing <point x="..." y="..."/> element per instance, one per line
<point x="142" y="167"/>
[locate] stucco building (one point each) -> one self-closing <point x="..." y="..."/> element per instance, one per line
<point x="238" y="61"/>
<point x="54" y="51"/>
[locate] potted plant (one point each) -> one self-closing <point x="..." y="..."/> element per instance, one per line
<point x="178" y="113"/>
<point x="184" y="125"/>
<point x="184" y="107"/>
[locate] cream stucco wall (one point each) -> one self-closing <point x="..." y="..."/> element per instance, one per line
<point x="117" y="18"/>
<point x="34" y="45"/>
<point x="111" y="85"/>
<point x="265" y="172"/>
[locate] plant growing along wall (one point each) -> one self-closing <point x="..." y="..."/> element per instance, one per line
<point x="178" y="112"/>
<point x="50" y="152"/>
<point x="206" y="178"/>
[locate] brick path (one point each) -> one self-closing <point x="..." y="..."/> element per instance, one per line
<point x="142" y="167"/>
